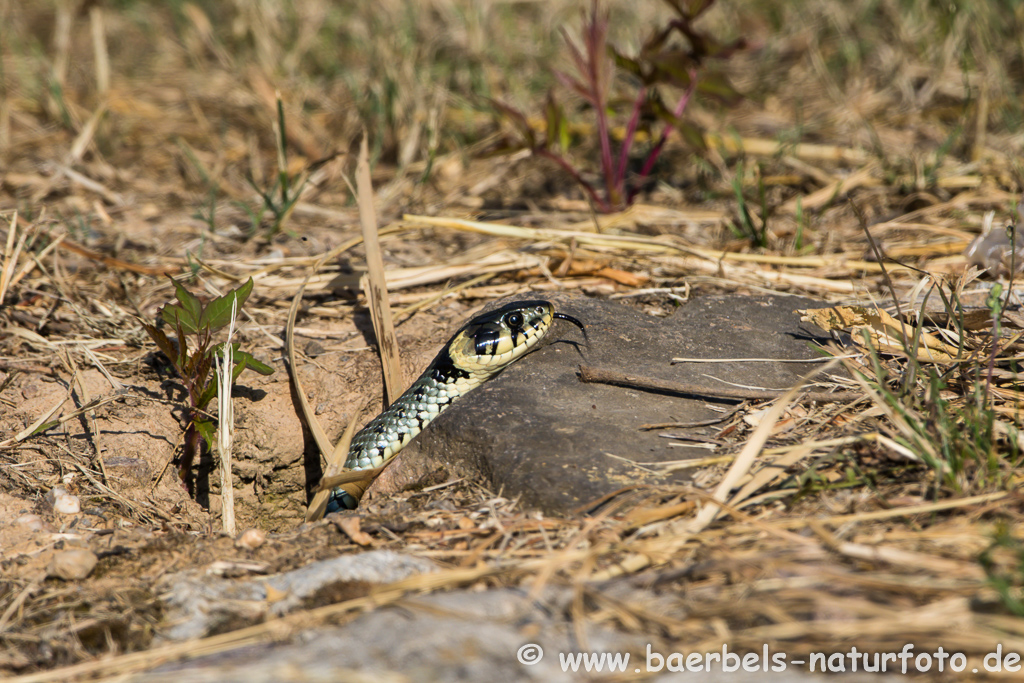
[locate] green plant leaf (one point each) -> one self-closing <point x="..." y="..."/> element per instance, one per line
<point x="43" y="427"/>
<point x="628" y="64"/>
<point x="672" y="67"/>
<point x="201" y="381"/>
<point x="717" y="85"/>
<point x="183" y="361"/>
<point x="207" y="431"/>
<point x="209" y="393"/>
<point x="217" y="313"/>
<point x="237" y="370"/>
<point x="187" y="313"/>
<point x="178" y="317"/>
<point x="555" y="122"/>
<point x="691" y="133"/>
<point x="564" y="137"/>
<point x="161" y="340"/>
<point x="251" y="363"/>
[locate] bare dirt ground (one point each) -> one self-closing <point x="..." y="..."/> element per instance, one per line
<point x="139" y="141"/>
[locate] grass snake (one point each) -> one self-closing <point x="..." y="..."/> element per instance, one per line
<point x="480" y="350"/>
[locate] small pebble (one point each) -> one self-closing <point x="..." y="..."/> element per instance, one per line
<point x="250" y="539"/>
<point x="72" y="564"/>
<point x="32" y="521"/>
<point x="63" y="502"/>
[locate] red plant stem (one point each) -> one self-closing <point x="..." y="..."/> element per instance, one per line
<point x="601" y="204"/>
<point x="606" y="151"/>
<point x="653" y="156"/>
<point x="189" y="450"/>
<point x="606" y="154"/>
<point x="627" y="144"/>
<point x="596" y="44"/>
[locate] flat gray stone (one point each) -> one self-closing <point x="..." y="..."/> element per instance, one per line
<point x="536" y="431"/>
<point x="497" y="636"/>
<point x="198" y="604"/>
<point x="459" y="636"/>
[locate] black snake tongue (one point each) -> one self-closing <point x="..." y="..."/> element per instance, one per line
<point x="575" y="322"/>
<point x="481" y="349"/>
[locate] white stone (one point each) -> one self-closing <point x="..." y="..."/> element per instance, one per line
<point x="72" y="565"/>
<point x="62" y="502"/>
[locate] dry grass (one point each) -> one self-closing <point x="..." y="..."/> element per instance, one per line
<point x="137" y="140"/>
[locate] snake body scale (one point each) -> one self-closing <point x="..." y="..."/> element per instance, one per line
<point x="482" y="348"/>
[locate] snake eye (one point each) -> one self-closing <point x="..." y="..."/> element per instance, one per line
<point x="515" y="319"/>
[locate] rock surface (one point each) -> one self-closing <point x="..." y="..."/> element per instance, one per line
<point x="198" y="604"/>
<point x="464" y="636"/>
<point x="537" y="431"/>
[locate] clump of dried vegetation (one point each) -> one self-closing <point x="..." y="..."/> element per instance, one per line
<point x="209" y="141"/>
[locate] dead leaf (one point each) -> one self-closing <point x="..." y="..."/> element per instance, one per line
<point x="885" y="331"/>
<point x="641" y="516"/>
<point x="623" y="277"/>
<point x="274" y="594"/>
<point x="351" y="528"/>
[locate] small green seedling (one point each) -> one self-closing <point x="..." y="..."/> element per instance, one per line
<point x="193" y="321"/>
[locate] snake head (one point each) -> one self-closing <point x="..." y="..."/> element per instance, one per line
<point x="494" y="339"/>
